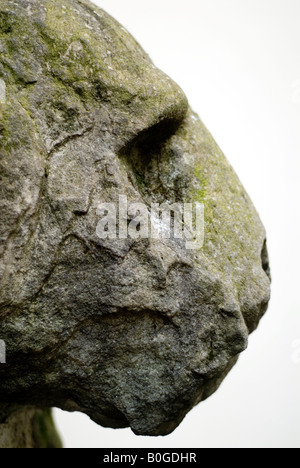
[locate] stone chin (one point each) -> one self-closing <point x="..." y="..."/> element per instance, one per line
<point x="132" y="333"/>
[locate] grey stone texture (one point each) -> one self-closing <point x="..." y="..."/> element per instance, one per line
<point x="131" y="332"/>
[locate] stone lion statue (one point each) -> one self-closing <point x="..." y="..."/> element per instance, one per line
<point x="133" y="332"/>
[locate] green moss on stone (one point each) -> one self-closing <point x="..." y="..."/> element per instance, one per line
<point x="43" y="430"/>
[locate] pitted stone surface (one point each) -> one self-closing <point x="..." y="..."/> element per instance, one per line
<point x="132" y="333"/>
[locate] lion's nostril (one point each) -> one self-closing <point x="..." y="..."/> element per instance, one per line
<point x="265" y="260"/>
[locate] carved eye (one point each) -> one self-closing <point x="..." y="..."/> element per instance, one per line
<point x="153" y="165"/>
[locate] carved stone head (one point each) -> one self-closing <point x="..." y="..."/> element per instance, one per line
<point x="132" y="332"/>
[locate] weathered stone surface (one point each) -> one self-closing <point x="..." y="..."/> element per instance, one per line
<point x="133" y="333"/>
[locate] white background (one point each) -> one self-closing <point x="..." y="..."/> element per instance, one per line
<point x="239" y="63"/>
